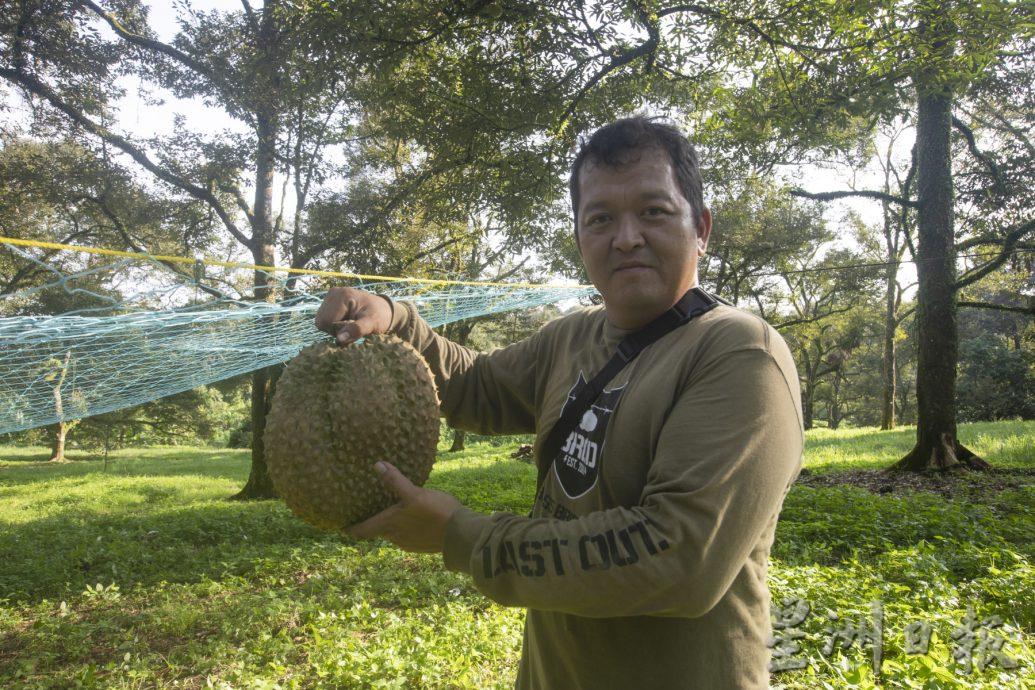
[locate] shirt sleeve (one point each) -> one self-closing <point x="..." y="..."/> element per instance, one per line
<point x="487" y="393"/>
<point x="723" y="461"/>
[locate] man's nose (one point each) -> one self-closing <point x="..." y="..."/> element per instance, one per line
<point x="629" y="235"/>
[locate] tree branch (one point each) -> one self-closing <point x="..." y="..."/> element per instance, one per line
<point x="250" y="14"/>
<point x="906" y="187"/>
<point x="500" y="277"/>
<point x="1010" y="241"/>
<point x="983" y="241"/>
<point x="384" y="211"/>
<point x="1004" y="124"/>
<point x="149" y="43"/>
<point x="428" y="252"/>
<point x="997" y="307"/>
<point x="120" y="228"/>
<point x="900" y="318"/>
<point x="242" y="203"/>
<point x="646" y="48"/>
<point x="812" y="319"/>
<point x="830" y="196"/>
<point x="801" y="49"/>
<point x="31" y="270"/>
<point x="980" y="155"/>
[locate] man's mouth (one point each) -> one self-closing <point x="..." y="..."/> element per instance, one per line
<point x="628" y="266"/>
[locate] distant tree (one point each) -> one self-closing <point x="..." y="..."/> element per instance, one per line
<point x="491" y="332"/>
<point x="888" y="246"/>
<point x="864" y="391"/>
<point x="55" y="377"/>
<point x="824" y="327"/>
<point x="478" y="258"/>
<point x="996" y="381"/>
<point x="204" y="415"/>
<point x="63" y="191"/>
<point x="758" y="229"/>
<point x="997" y="350"/>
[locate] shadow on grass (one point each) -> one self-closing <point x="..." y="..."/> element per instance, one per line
<point x="213" y="464"/>
<point x="40" y="458"/>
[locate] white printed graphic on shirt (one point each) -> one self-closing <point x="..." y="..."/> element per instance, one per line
<point x="578" y="463"/>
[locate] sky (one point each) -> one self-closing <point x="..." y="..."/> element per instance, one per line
<point x="146" y="119"/>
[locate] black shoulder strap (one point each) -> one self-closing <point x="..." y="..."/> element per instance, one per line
<point x="691" y="305"/>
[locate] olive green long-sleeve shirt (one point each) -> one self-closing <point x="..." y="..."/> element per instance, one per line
<point x="644" y="562"/>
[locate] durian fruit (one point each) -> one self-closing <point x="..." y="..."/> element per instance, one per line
<point x="338" y="410"/>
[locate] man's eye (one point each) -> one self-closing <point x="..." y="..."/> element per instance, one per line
<point x="653" y="211"/>
<point x="598" y="219"/>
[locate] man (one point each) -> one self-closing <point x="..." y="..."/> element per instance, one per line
<point x="643" y="564"/>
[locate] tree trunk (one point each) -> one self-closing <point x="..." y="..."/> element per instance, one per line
<point x="888" y="379"/>
<point x="459" y="332"/>
<point x="836" y="410"/>
<point x="259" y="485"/>
<point x="937" y="447"/>
<point x="895" y="231"/>
<point x="57" y="447"/>
<point x="808" y="406"/>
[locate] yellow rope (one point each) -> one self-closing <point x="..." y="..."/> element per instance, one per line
<point x="274" y="269"/>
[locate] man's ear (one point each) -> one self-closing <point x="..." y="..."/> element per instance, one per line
<point x="704" y="231"/>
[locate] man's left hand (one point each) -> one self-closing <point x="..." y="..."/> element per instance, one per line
<point x="417" y="522"/>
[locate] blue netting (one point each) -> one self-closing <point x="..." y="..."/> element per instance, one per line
<point x="138" y="330"/>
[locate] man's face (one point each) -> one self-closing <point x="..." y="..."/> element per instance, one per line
<point x="637" y="237"/>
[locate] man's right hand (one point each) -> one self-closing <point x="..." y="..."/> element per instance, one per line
<point x="350" y="314"/>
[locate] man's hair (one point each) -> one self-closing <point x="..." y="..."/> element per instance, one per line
<point x="621" y="143"/>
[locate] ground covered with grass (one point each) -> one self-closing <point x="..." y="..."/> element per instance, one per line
<point x="134" y="571"/>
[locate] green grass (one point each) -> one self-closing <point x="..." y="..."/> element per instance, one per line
<point x="1008" y="444"/>
<point x="134" y="571"/>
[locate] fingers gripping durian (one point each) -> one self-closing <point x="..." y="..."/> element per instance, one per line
<point x="337" y="411"/>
